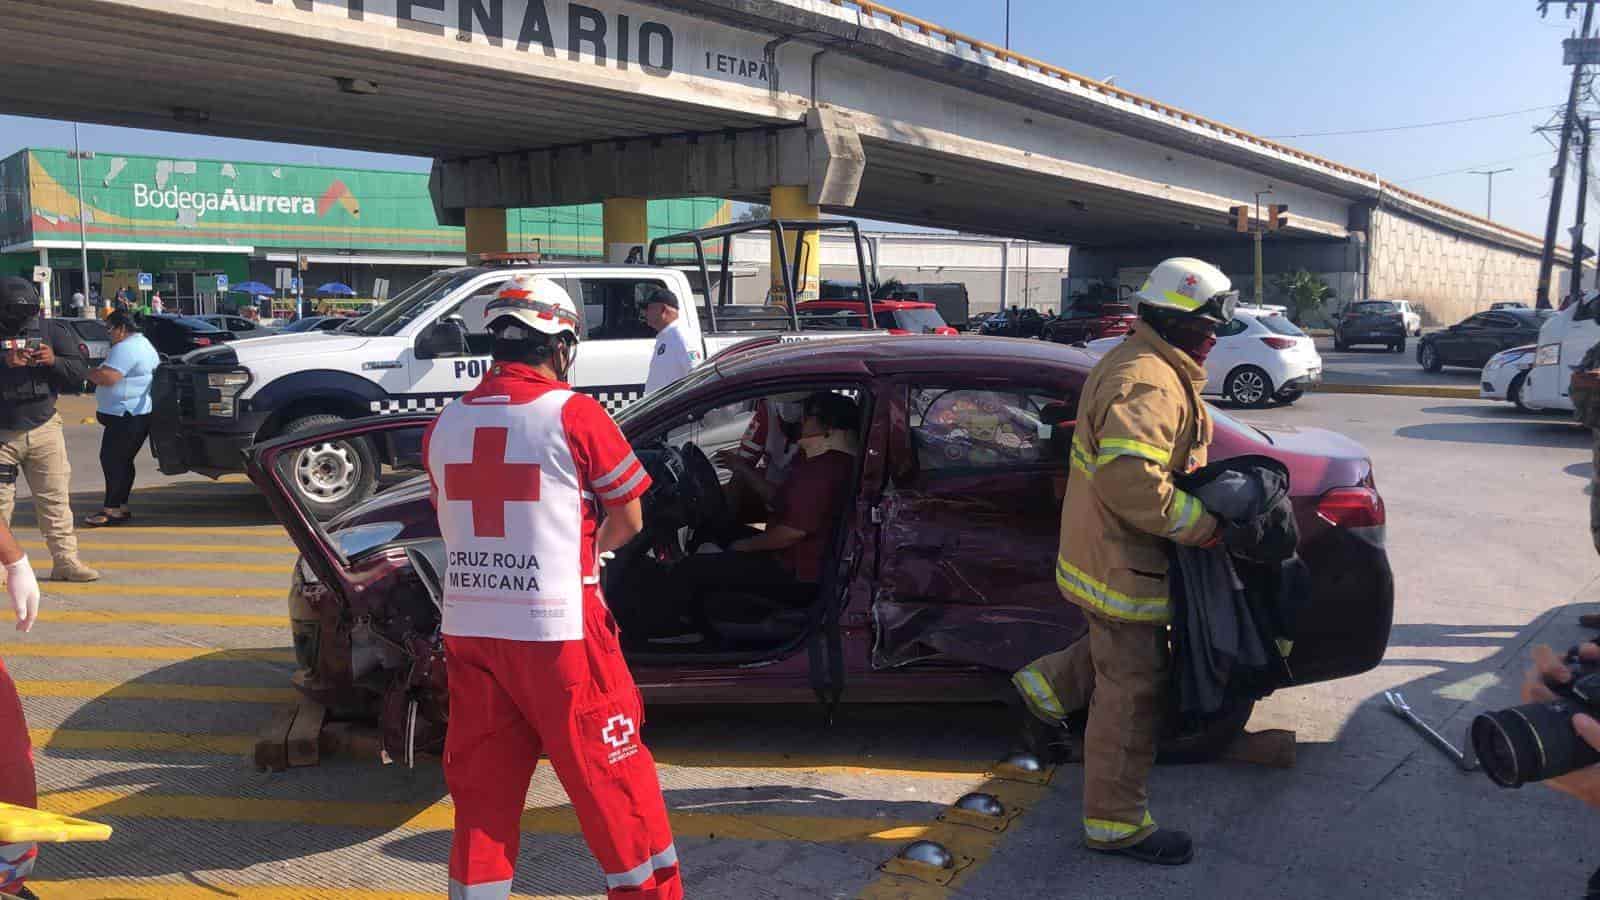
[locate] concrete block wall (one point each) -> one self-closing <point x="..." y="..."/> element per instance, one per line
<point x="1449" y="275"/>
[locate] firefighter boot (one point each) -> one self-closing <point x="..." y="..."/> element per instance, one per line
<point x="1163" y="847"/>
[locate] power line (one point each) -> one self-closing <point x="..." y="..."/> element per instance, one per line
<point x="1471" y="167"/>
<point x="1502" y="115"/>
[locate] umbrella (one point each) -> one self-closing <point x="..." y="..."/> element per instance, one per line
<point x="251" y="287"/>
<point x="337" y="288"/>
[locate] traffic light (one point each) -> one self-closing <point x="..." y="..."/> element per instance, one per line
<point x="1241" y="218"/>
<point x="1277" y="216"/>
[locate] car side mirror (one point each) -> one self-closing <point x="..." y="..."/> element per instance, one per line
<point x="445" y="338"/>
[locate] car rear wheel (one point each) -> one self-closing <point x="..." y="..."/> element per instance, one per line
<point x="1249" y="386"/>
<point x="1398" y="348"/>
<point x="1339" y="344"/>
<point x="1290" y="395"/>
<point x="329" y="477"/>
<point x="1428" y="358"/>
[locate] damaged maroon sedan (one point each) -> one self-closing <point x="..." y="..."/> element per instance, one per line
<point x="938" y="581"/>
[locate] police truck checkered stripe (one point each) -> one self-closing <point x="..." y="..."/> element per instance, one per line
<point x="613" y="397"/>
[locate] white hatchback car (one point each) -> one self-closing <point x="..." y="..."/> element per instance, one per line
<point x="1258" y="359"/>
<point x="1505" y="374"/>
<point x="1413" y="319"/>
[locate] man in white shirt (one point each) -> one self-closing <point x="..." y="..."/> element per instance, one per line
<point x="674" y="355"/>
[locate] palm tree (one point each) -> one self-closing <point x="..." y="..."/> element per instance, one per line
<point x="1306" y="293"/>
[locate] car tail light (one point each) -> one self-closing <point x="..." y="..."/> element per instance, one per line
<point x="1279" y="343"/>
<point x="1352" y="507"/>
<point x="83" y="350"/>
<point x="202" y="342"/>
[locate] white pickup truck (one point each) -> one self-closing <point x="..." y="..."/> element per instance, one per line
<point x="427" y="346"/>
<point x="1564" y="338"/>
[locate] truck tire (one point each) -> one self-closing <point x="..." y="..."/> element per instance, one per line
<point x="329" y="478"/>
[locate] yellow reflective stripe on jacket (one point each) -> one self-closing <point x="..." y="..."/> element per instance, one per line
<point x="1111" y="448"/>
<point x="1107" y="831"/>
<point x="1113" y="603"/>
<point x="1081" y="459"/>
<point x="1037" y="693"/>
<point x="1185" y="512"/>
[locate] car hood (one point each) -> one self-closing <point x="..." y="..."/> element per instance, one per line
<point x="277" y="346"/>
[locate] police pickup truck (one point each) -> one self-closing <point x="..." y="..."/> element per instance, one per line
<point x="427" y="346"/>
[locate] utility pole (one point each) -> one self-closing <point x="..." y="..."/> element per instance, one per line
<point x="1559" y="173"/>
<point x="1489" y="214"/>
<point x="1008" y="24"/>
<point x="1577" y="228"/>
<point x="83" y="236"/>
<point x="1257" y="232"/>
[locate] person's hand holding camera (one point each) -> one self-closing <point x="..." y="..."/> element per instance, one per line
<point x="44" y="355"/>
<point x="1548" y="667"/>
<point x="17" y="358"/>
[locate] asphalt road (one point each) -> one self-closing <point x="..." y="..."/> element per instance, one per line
<point x="1379" y="365"/>
<point x="144" y="691"/>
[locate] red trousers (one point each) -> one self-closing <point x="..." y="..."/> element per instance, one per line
<point x="576" y="702"/>
<point x="17" y="784"/>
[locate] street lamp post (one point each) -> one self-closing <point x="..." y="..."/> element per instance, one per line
<point x="78" y="157"/>
<point x="1490" y="173"/>
<point x="1256" y="232"/>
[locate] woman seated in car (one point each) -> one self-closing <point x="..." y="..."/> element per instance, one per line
<point x="789" y="552"/>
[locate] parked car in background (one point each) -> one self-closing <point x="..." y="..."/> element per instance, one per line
<point x="937" y="582"/>
<point x="174" y="335"/>
<point x="315" y="323"/>
<point x="1508" y="304"/>
<point x="1023" y="323"/>
<point x="1412" y="317"/>
<point x="898" y="316"/>
<point x="1505" y="375"/>
<point x="1371" y="322"/>
<point x="1085" y="322"/>
<point x="94" y="343"/>
<point x="239" y="325"/>
<point x="1257" y="359"/>
<point x="1472" y="341"/>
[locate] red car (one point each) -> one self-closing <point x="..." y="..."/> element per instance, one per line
<point x="898" y="316"/>
<point x="940" y="578"/>
<point x="1082" y="324"/>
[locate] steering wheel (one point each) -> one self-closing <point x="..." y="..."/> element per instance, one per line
<point x="701" y="489"/>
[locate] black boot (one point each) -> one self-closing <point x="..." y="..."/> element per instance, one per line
<point x="1054" y="744"/>
<point x="23" y="893"/>
<point x="1163" y="847"/>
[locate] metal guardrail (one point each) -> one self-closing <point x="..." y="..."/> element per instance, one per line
<point x="922" y="26"/>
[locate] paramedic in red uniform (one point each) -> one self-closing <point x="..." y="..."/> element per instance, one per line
<point x="521" y="469"/>
<point x="17" y="785"/>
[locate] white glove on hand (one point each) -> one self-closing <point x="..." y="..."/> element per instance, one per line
<point x="24" y="590"/>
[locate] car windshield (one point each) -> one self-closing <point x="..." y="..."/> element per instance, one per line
<point x="1376" y="307"/>
<point x="310" y="323"/>
<point x="193" y="324"/>
<point x="410" y="304"/>
<point x="924" y="320"/>
<point x="91" y="330"/>
<point x="704" y="374"/>
<point x="1280" y="325"/>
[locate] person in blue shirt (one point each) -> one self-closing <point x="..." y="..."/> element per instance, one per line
<point x="122" y="401"/>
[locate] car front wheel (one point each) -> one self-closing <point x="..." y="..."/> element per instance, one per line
<point x="1249" y="386"/>
<point x="329" y="477"/>
<point x="1514" y="393"/>
<point x="1428" y="358"/>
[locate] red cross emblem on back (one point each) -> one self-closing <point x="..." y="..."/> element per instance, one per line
<point x="488" y="482"/>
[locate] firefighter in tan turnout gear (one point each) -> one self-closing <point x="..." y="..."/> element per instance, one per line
<point x="1140" y="421"/>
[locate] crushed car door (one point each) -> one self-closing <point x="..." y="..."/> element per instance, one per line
<point x="968" y="527"/>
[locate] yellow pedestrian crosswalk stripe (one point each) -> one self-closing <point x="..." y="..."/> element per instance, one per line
<point x="150" y="741"/>
<point x="202" y="620"/>
<point x="101" y="804"/>
<point x="88" y="536"/>
<point x="286" y="550"/>
<point x="127" y="565"/>
<point x="140" y="690"/>
<point x="108" y="588"/>
<point x="169" y="654"/>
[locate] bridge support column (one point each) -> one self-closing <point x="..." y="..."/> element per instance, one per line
<point x="486" y="231"/>
<point x="794" y="202"/>
<point x="624" y="225"/>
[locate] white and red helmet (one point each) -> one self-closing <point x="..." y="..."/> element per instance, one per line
<point x="533" y="303"/>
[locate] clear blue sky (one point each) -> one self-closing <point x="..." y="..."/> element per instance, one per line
<point x="1271" y="68"/>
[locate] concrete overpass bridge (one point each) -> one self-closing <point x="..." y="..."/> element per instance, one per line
<point x="810" y="105"/>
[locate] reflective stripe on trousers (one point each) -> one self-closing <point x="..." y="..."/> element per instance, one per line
<point x="1106" y="831"/>
<point x="1115" y="604"/>
<point x="641" y="873"/>
<point x="1037" y="693"/>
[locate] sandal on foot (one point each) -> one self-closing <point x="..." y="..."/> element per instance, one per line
<point x="105" y="520"/>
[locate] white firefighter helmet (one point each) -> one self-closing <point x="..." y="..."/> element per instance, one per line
<point x="532" y="303"/>
<point x="1189" y="287"/>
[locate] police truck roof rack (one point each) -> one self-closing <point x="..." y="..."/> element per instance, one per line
<point x="792" y="270"/>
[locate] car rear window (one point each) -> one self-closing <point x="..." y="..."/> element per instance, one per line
<point x="924" y="321"/>
<point x="193" y="324"/>
<point x="1376" y="306"/>
<point x="91" y="331"/>
<point x="1280" y="325"/>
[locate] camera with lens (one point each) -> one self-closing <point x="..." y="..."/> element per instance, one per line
<point x="1536" y="741"/>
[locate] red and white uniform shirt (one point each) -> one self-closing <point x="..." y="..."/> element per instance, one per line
<point x="764" y="439"/>
<point x="520" y="467"/>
